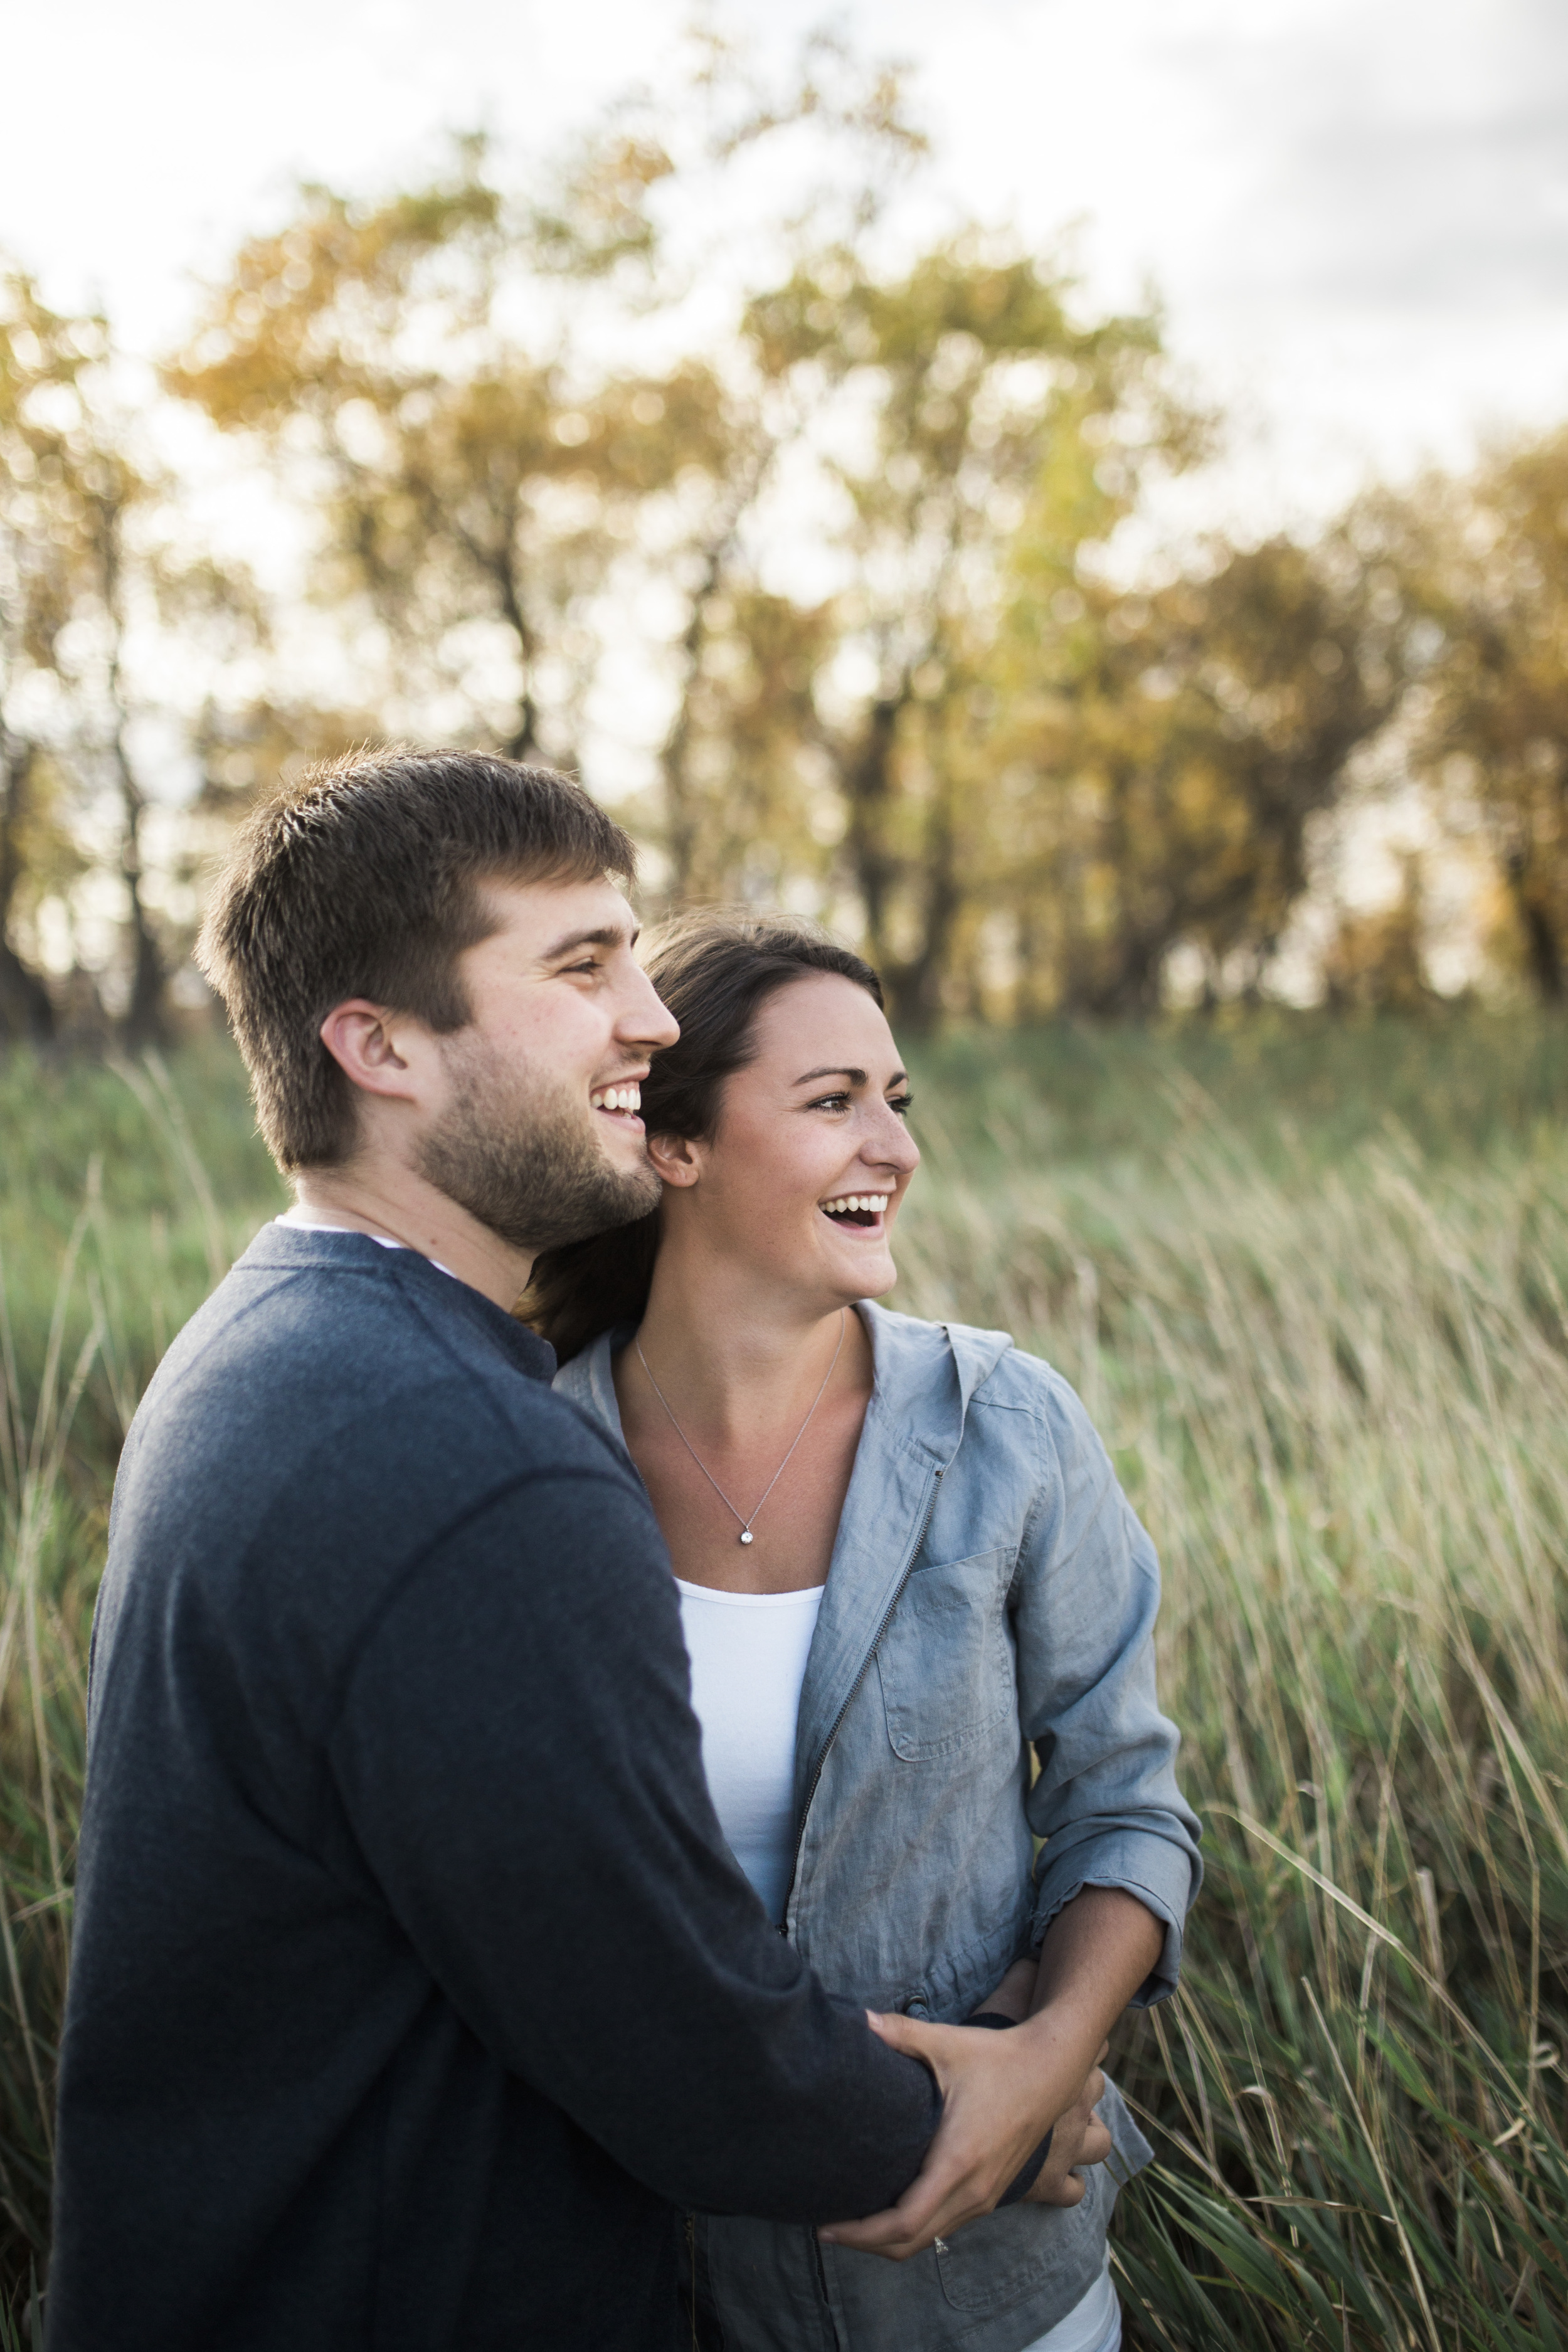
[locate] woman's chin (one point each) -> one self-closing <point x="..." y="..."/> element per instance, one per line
<point x="864" y="1275"/>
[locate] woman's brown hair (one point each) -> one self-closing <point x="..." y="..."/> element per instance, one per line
<point x="715" y="970"/>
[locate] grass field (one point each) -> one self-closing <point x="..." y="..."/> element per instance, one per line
<point x="1313" y="1284"/>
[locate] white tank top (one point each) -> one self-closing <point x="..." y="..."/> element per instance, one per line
<point x="748" y="1654"/>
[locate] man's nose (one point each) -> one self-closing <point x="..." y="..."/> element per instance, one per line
<point x="646" y="1020"/>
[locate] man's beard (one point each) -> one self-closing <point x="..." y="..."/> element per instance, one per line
<point x="518" y="1156"/>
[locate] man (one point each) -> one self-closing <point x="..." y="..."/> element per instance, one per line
<point x="413" y="1985"/>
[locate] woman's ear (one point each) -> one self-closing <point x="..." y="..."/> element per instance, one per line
<point x="674" y="1158"/>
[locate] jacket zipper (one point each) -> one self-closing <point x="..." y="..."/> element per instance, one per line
<point x="852" y="1692"/>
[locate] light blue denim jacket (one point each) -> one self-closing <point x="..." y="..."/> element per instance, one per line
<point x="990" y="1587"/>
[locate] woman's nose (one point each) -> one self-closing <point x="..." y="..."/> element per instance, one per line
<point x="896" y="1149"/>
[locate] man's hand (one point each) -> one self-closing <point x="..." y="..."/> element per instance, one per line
<point x="1000" y="2093"/>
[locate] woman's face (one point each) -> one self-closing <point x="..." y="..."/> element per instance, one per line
<point x="803" y="1174"/>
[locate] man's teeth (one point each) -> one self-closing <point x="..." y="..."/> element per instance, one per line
<point x="869" y="1203"/>
<point x="617" y="1099"/>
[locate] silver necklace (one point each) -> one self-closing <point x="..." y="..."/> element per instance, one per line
<point x="746" y="1534"/>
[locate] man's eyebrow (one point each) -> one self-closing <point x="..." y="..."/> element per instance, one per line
<point x="607" y="935"/>
<point x="846" y="1070"/>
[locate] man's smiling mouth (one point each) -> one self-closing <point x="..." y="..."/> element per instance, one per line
<point x="618" y="1102"/>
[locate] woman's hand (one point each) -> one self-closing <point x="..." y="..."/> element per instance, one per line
<point x="1000" y="2094"/>
<point x="1078" y="2139"/>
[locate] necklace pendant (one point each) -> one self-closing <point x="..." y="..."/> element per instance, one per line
<point x="745" y="1535"/>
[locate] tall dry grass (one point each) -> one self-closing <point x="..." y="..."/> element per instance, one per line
<point x="1332" y="1364"/>
<point x="111" y="1236"/>
<point x="1341" y="1403"/>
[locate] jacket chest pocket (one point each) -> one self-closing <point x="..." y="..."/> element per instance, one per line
<point x="946" y="1662"/>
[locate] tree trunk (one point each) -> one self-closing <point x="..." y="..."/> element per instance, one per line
<point x="26" y="1010"/>
<point x="1543" y="951"/>
<point x="680" y="813"/>
<point x="918" y="984"/>
<point x="145" y="1022"/>
<point x="867" y="786"/>
<point x="523" y="742"/>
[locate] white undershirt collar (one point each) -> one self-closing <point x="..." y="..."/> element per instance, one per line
<point x="299" y="1224"/>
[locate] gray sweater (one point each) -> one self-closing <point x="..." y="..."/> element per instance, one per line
<point x="411" y="1979"/>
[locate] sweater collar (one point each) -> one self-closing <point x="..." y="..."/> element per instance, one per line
<point x="280" y="1248"/>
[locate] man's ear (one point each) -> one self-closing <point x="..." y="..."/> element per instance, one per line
<point x="674" y="1157"/>
<point x="360" y="1038"/>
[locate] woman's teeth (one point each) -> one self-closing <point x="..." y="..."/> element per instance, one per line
<point x="617" y="1099"/>
<point x="856" y="1204"/>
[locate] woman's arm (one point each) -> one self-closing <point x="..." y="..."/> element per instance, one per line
<point x="1105" y="1804"/>
<point x="1119" y="1863"/>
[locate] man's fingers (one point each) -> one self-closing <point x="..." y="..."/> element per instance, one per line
<point x="962" y="2176"/>
<point x="900" y="2032"/>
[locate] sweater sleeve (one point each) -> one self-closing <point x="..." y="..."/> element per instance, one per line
<point x="520" y="1765"/>
<point x="1106" y="1802"/>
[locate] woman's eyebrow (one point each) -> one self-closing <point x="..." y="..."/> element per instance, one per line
<point x="855" y="1077"/>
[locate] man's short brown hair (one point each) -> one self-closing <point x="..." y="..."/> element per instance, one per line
<point x="364" y="878"/>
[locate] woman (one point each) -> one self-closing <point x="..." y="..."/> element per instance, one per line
<point x="903" y="1560"/>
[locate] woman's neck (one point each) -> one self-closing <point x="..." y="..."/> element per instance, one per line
<point x="733" y="1359"/>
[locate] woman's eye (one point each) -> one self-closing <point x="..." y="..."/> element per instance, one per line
<point x="900" y="1103"/>
<point x="829" y="1102"/>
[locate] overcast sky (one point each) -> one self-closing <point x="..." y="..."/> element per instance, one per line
<point x="1355" y="210"/>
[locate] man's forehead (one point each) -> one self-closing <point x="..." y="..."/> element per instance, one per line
<point x="550" y="916"/>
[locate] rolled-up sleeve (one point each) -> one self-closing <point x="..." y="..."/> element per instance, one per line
<point x="1106" y="1802"/>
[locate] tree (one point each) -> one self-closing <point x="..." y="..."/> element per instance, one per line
<point x="477" y="478"/>
<point x="1165" y="757"/>
<point x="1484" y="562"/>
<point x="90" y="576"/>
<point x="41" y="355"/>
<point x="106" y="494"/>
<point x="941" y="407"/>
<point x="432" y="370"/>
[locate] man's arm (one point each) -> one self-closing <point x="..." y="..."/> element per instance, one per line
<point x="516" y="1760"/>
<point x="1002" y="2092"/>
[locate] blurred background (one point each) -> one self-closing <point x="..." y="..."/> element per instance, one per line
<point x="1078" y="499"/>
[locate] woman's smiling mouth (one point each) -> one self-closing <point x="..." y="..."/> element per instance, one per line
<point x="862" y="1210"/>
